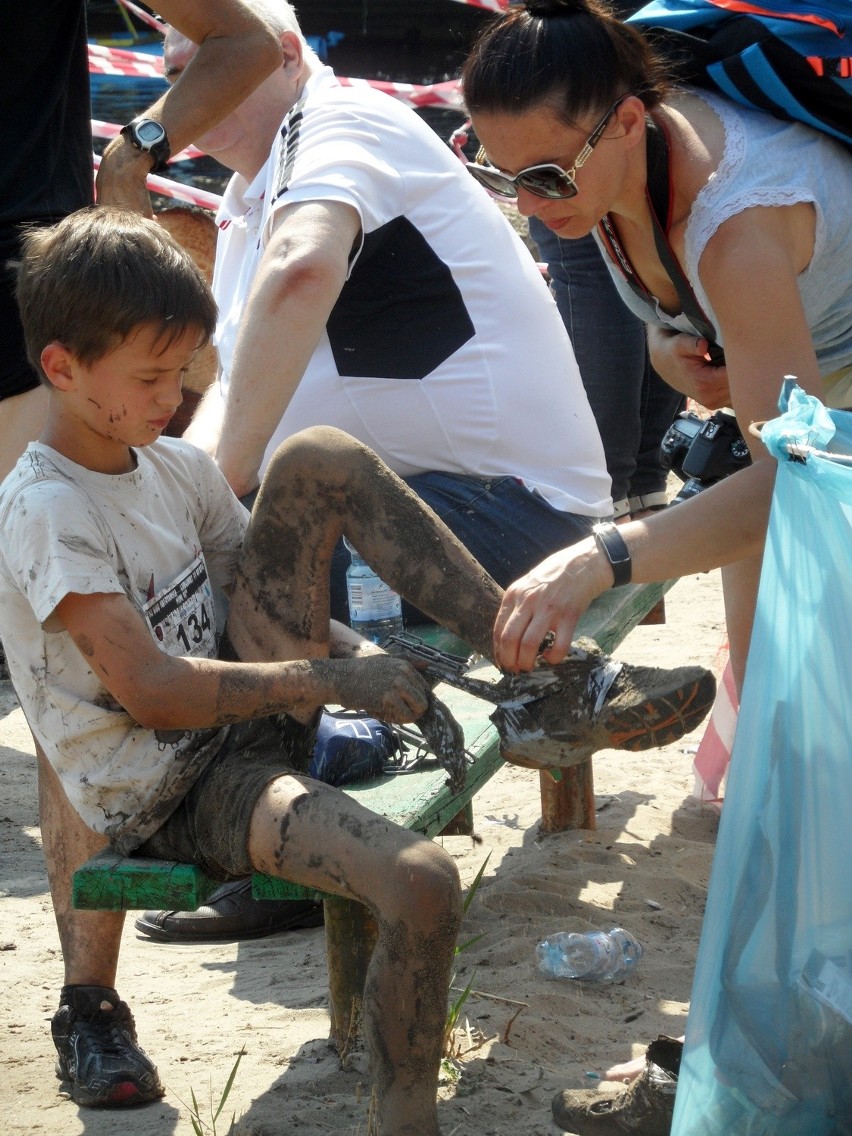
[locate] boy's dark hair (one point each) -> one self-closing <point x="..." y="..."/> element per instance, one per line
<point x="90" y="280"/>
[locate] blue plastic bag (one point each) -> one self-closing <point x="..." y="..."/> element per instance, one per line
<point x="769" y="1037"/>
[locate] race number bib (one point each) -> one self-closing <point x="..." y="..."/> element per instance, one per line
<point x="181" y="616"/>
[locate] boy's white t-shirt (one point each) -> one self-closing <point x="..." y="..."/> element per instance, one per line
<point x="445" y="350"/>
<point x="164" y="535"/>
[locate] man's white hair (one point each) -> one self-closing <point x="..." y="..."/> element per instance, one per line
<point x="279" y="14"/>
<point x="281" y="17"/>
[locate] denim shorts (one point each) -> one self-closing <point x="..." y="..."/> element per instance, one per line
<point x="508" y="528"/>
<point x="210" y="826"/>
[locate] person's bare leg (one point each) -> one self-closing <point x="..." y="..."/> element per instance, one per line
<point x="316" y="835"/>
<point x="320" y="485"/>
<point x="739" y="585"/>
<point x="98" y="1057"/>
<point x="90" y="940"/>
<point x="22" y="418"/>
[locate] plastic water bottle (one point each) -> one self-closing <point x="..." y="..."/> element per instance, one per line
<point x="595" y="956"/>
<point x="375" y="609"/>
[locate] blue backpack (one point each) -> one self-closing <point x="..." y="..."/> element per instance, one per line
<point x="351" y="747"/>
<point x="790" y="58"/>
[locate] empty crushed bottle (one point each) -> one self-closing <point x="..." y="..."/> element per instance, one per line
<point x="375" y="609"/>
<point x="592" y="956"/>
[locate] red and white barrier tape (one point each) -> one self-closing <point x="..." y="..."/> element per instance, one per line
<point x="445" y="94"/>
<point x="492" y="5"/>
<point x="177" y="190"/>
<point x="116" y="61"/>
<point x="144" y="16"/>
<point x="135" y="64"/>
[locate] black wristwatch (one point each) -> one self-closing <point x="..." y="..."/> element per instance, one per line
<point x="150" y="136"/>
<point x="612" y="544"/>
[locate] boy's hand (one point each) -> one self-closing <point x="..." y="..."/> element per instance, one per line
<point x="386" y="688"/>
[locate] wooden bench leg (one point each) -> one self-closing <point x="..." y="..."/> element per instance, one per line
<point x="656" y="615"/>
<point x="461" y="824"/>
<point x="570" y="801"/>
<point x="350" y="936"/>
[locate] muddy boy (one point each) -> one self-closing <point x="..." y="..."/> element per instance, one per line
<point x="179" y="739"/>
<point x="168" y="737"/>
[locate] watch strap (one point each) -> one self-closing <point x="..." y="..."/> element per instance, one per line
<point x="160" y="152"/>
<point x="614" y="547"/>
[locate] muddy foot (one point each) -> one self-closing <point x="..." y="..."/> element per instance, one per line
<point x="603" y="705"/>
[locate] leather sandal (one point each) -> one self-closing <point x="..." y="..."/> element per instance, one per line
<point x="230" y="915"/>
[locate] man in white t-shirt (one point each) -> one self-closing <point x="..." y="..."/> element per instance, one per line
<point x="364" y="281"/>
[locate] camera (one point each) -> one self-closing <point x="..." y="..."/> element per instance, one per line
<point x="702" y="451"/>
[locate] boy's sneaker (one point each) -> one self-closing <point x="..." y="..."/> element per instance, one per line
<point x="95" y="1037"/>
<point x="597" y="703"/>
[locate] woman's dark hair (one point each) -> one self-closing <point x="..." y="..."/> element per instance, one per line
<point x="99" y="274"/>
<point x="574" y="56"/>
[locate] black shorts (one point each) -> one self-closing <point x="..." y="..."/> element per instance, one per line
<point x="16" y="374"/>
<point x="210" y="826"/>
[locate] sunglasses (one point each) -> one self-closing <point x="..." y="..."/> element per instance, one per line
<point x="547" y="180"/>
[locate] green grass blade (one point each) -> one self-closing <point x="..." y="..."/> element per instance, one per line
<point x="228" y="1085"/>
<point x="471" y="891"/>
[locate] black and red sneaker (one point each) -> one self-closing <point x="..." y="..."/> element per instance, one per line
<point x="99" y="1058"/>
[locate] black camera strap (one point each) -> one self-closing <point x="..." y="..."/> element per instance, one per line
<point x="658" y="192"/>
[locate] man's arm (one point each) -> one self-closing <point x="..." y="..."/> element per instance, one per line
<point x="301" y="274"/>
<point x="238" y="50"/>
<point x="205" y="427"/>
<point x="161" y="691"/>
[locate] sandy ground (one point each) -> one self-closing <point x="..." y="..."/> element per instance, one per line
<point x="645" y="867"/>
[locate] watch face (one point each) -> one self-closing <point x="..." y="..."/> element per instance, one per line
<point x="149" y="132"/>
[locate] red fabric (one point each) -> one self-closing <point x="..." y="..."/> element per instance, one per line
<point x="714" y="752"/>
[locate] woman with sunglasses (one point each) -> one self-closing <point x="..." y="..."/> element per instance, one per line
<point x="578" y="121"/>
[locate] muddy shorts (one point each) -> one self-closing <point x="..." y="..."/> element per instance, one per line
<point x="210" y="826"/>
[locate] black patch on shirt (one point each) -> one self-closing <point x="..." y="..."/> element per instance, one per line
<point x="401" y="313"/>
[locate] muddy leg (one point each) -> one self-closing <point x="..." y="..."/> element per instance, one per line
<point x="90" y="940"/>
<point x="316" y="835"/>
<point x="320" y="485"/>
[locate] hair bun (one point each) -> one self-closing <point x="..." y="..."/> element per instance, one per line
<point x="544" y="8"/>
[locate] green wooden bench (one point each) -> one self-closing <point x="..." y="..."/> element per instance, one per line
<point x="420" y="800"/>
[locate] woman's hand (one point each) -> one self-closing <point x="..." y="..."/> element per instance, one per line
<point x="682" y="361"/>
<point x="550" y="598"/>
